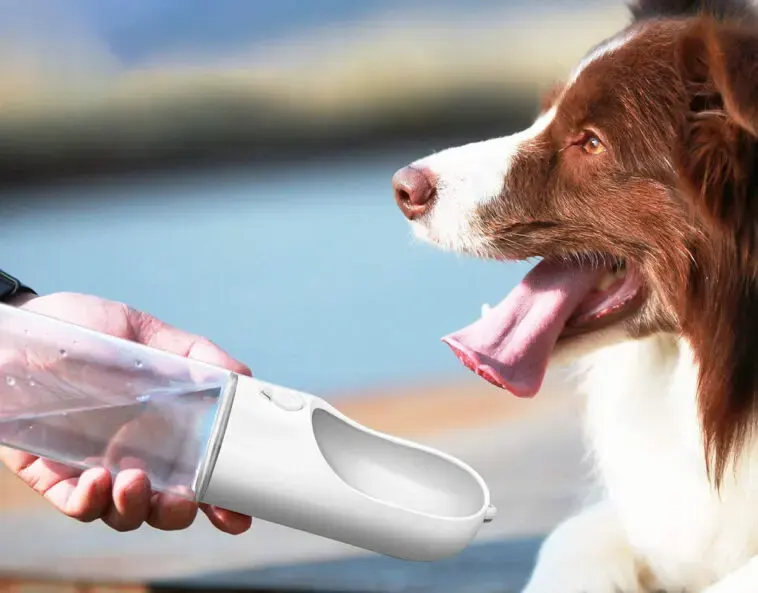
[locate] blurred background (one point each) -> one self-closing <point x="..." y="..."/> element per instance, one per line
<point x="226" y="166"/>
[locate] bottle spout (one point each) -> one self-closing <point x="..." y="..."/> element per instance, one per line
<point x="395" y="472"/>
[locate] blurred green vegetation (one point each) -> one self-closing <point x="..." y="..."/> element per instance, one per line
<point x="370" y="84"/>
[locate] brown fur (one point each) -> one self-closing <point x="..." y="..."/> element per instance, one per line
<point x="719" y="9"/>
<point x="675" y="193"/>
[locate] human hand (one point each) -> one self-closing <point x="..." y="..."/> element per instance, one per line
<point x="125" y="502"/>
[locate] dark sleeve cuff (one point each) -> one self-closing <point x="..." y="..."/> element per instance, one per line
<point x="11" y="287"/>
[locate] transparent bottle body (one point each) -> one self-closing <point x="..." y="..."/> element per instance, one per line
<point x="86" y="399"/>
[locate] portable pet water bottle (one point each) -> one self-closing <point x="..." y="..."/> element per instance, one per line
<point x="86" y="399"/>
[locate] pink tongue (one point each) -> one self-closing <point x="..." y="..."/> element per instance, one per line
<point x="510" y="346"/>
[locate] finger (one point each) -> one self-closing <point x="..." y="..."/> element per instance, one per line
<point x="155" y="333"/>
<point x="169" y="512"/>
<point x="84" y="499"/>
<point x="16" y="460"/>
<point x="206" y="351"/>
<point x="41" y="474"/>
<point x="227" y="521"/>
<point x="130" y="505"/>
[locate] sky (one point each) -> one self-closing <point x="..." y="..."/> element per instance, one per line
<point x="135" y="31"/>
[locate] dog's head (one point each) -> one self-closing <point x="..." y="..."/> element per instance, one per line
<point x="637" y="187"/>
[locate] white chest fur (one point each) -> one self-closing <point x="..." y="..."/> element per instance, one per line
<point x="643" y="432"/>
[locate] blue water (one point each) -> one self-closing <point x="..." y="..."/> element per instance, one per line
<point x="308" y="274"/>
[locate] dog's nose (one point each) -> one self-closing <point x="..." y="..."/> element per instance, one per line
<point x="415" y="190"/>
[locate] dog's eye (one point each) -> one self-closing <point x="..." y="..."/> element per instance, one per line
<point x="592" y="145"/>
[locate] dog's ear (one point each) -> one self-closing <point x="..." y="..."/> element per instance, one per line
<point x="717" y="157"/>
<point x="719" y="9"/>
<point x="717" y="161"/>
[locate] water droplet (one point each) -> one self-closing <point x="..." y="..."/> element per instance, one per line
<point x="32" y="383"/>
<point x="63" y="353"/>
<point x="10" y="381"/>
<point x="138" y="364"/>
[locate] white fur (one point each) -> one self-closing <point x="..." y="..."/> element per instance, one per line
<point x="743" y="579"/>
<point x="660" y="526"/>
<point x="604" y="49"/>
<point x="467" y="177"/>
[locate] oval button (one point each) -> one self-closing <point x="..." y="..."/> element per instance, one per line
<point x="291" y="401"/>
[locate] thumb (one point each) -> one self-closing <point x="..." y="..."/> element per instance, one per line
<point x="157" y="334"/>
<point x="204" y="350"/>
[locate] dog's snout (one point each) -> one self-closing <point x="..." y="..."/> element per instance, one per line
<point x="415" y="190"/>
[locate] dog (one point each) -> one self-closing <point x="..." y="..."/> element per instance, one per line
<point x="636" y="188"/>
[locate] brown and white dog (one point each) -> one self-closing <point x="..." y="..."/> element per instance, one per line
<point x="637" y="186"/>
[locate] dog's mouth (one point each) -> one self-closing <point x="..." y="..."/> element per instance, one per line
<point x="511" y="344"/>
